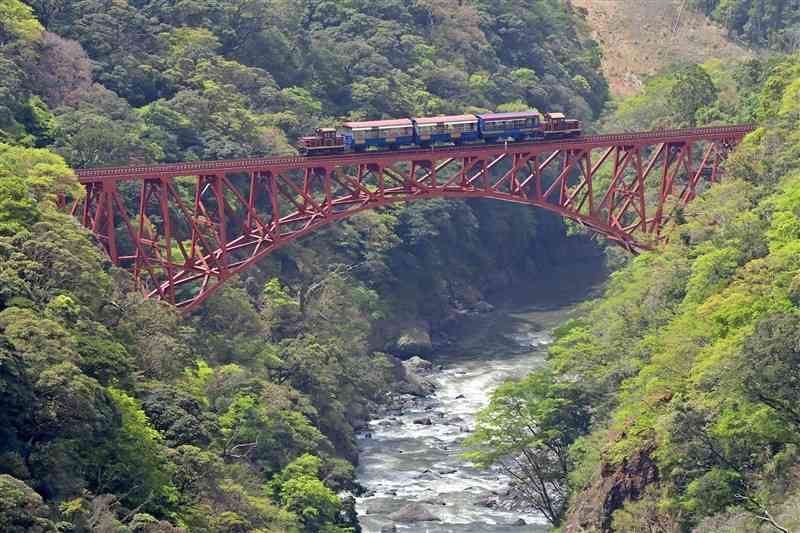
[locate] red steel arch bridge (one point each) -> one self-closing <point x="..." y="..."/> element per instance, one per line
<point x="183" y="229"/>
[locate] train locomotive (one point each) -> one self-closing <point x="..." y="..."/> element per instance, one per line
<point x="425" y="132"/>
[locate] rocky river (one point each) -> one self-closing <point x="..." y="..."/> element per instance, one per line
<point x="410" y="457"/>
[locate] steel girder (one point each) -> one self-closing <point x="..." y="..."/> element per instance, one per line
<point x="184" y="229"/>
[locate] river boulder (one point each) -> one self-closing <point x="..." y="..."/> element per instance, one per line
<point x="488" y="500"/>
<point x="414" y="512"/>
<point x="418" y="364"/>
<point x="407" y="381"/>
<point x="413" y="340"/>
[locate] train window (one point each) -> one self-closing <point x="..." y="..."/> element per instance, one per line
<point x="394" y="132"/>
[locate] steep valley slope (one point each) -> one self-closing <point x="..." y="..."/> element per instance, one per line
<point x="639" y="37"/>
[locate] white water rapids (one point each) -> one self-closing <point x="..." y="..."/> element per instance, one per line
<point x="403" y="461"/>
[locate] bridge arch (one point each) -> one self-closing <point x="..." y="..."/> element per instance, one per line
<point x="184" y="229"/>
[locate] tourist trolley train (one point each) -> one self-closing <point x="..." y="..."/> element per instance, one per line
<point x="429" y="131"/>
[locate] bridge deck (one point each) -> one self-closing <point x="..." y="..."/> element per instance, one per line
<point x="254" y="164"/>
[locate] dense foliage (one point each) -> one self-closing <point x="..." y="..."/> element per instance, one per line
<point x="116" y="414"/>
<point x="773" y="23"/>
<point x="112" y="413"/>
<point x="676" y="393"/>
<point x="178" y="81"/>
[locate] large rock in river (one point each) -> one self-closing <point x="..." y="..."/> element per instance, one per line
<point x="418" y="365"/>
<point x="413" y="340"/>
<point x="408" y="381"/>
<point x="414" y="512"/>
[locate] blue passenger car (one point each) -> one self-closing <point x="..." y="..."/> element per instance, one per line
<point x="381" y="134"/>
<point x="451" y="129"/>
<point x="430" y="131"/>
<point x="496" y="127"/>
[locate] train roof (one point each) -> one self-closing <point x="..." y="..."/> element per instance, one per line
<point x="450" y="119"/>
<point x="508" y="116"/>
<point x="556" y="115"/>
<point x="378" y="124"/>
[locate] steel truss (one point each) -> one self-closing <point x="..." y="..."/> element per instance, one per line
<point x="184" y="229"/>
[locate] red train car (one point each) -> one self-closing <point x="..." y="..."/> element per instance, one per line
<point x="325" y="141"/>
<point x="556" y="125"/>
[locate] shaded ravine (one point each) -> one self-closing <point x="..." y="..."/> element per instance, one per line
<point x="413" y="453"/>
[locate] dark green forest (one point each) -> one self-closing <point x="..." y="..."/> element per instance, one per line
<point x="119" y="415"/>
<point x="763" y="23"/>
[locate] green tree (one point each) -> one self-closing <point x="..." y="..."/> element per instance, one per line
<point x="267" y="432"/>
<point x="693" y="89"/>
<point x="18" y="209"/>
<point x="301" y="491"/>
<point x="771" y="365"/>
<point x="133" y="463"/>
<point x="527" y="430"/>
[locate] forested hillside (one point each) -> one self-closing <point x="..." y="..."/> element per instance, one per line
<point x="766" y="23"/>
<point x="184" y="80"/>
<point x="670" y="404"/>
<point x="117" y="414"/>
